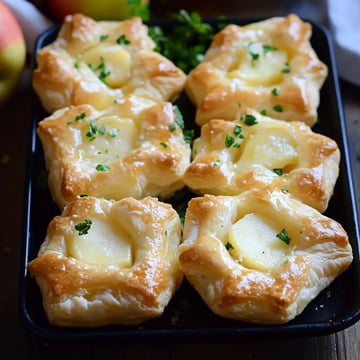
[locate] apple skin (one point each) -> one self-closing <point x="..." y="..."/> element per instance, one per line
<point x="12" y="53"/>
<point x="98" y="10"/>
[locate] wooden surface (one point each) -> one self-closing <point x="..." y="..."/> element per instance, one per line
<point x="15" y="119"/>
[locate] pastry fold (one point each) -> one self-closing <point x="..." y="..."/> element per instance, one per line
<point x="109" y="262"/>
<point x="269" y="66"/>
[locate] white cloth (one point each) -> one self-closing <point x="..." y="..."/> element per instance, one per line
<point x="344" y="24"/>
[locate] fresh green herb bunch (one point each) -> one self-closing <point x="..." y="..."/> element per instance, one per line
<point x="187" y="42"/>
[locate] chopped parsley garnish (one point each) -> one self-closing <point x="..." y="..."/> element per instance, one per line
<point x="102" y="167"/>
<point x="103" y="37"/>
<point x="278" y="171"/>
<point x="172" y="127"/>
<point x="83" y="195"/>
<point x="215" y="163"/>
<point x="101" y="69"/>
<point x="122" y="40"/>
<point x="285" y="190"/>
<point x="254" y="55"/>
<point x="249" y="119"/>
<point x="229" y="141"/>
<point x="275" y="91"/>
<point x="83" y="227"/>
<point x="80" y="116"/>
<point x="95" y="130"/>
<point x="229" y="246"/>
<point x="268" y="48"/>
<point x="284" y="236"/>
<point x="76" y="65"/>
<point x="263" y="112"/>
<point x="278" y="108"/>
<point x="286" y="69"/>
<point x="237" y="130"/>
<point x="164" y="144"/>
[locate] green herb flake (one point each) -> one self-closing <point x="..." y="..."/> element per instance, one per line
<point x="268" y="48"/>
<point x="122" y="40"/>
<point x="229" y="141"/>
<point x="254" y="56"/>
<point x="103" y="37"/>
<point x="237" y="130"/>
<point x="112" y="133"/>
<point x="83" y="195"/>
<point x="102" y="167"/>
<point x="215" y="163"/>
<point x="286" y="69"/>
<point x="101" y="70"/>
<point x="250" y="120"/>
<point x="278" y="171"/>
<point x="263" y="112"/>
<point x="164" y="144"/>
<point x="76" y="65"/>
<point x="83" y="227"/>
<point x="285" y="190"/>
<point x="229" y="246"/>
<point x="278" y="108"/>
<point x="284" y="236"/>
<point x="172" y="127"/>
<point x="80" y="116"/>
<point x="275" y="91"/>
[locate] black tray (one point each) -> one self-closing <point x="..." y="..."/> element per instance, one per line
<point x="324" y="315"/>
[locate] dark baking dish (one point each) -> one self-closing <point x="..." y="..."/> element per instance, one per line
<point x="324" y="315"/>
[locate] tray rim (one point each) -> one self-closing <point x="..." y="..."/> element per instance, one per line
<point x="98" y="334"/>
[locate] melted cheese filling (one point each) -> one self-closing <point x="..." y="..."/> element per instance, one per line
<point x="102" y="245"/>
<point x="106" y="139"/>
<point x="272" y="148"/>
<point x="254" y="243"/>
<point x="110" y="62"/>
<point x="259" y="66"/>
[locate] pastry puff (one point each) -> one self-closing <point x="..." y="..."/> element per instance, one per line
<point x="261" y="256"/>
<point x="133" y="148"/>
<point x="95" y="62"/>
<point x="268" y="66"/>
<point x="231" y="157"/>
<point x="108" y="262"/>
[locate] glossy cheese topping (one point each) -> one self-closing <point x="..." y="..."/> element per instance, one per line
<point x="106" y="139"/>
<point x="259" y="64"/>
<point x="254" y="243"/>
<point x="111" y="63"/>
<point x="102" y="245"/>
<point x="273" y="148"/>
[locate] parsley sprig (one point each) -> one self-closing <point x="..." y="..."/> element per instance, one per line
<point x="185" y="44"/>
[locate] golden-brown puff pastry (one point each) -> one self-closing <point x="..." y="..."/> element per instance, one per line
<point x="231" y="157"/>
<point x="133" y="148"/>
<point x="260" y="257"/>
<point x="95" y="62"/>
<point x="109" y="262"/>
<point x="269" y="66"/>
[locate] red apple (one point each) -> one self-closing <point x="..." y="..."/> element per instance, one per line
<point x="98" y="10"/>
<point x="12" y="52"/>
